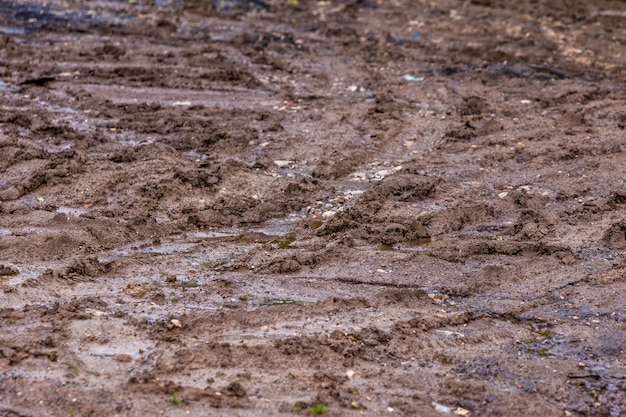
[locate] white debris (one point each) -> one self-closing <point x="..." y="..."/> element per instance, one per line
<point x="386" y="172"/>
<point x="283" y="163"/>
<point x="358" y="176"/>
<point x="350" y="193"/>
<point x="451" y="333"/>
<point x="442" y="408"/>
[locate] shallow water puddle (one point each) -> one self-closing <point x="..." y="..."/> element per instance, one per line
<point x="170" y="96"/>
<point x="282" y="231"/>
<point x="420" y="245"/>
<point x="278" y="227"/>
<point x="11" y="30"/>
<point x="165" y="248"/>
<point x="71" y="211"/>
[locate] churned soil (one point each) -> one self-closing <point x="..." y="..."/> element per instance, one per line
<point x="277" y="207"/>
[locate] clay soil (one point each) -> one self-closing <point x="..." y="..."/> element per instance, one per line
<point x="264" y="208"/>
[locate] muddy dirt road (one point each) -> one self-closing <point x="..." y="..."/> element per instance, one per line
<point x="261" y="208"/>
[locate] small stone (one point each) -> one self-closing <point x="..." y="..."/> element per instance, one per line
<point x="355" y="405"/>
<point x="170" y="278"/>
<point x="352" y="88"/>
<point x="122" y="357"/>
<point x="350" y="373"/>
<point x="136" y="290"/>
<point x="503" y="194"/>
<point x="176" y="323"/>
<point x="461" y="412"/>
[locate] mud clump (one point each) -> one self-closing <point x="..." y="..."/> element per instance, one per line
<point x="78" y="270"/>
<point x="235" y="389"/>
<point x="615" y="236"/>
<point x="405" y="187"/>
<point x="8" y="269"/>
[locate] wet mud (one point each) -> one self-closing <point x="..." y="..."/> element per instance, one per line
<point x="271" y="207"/>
